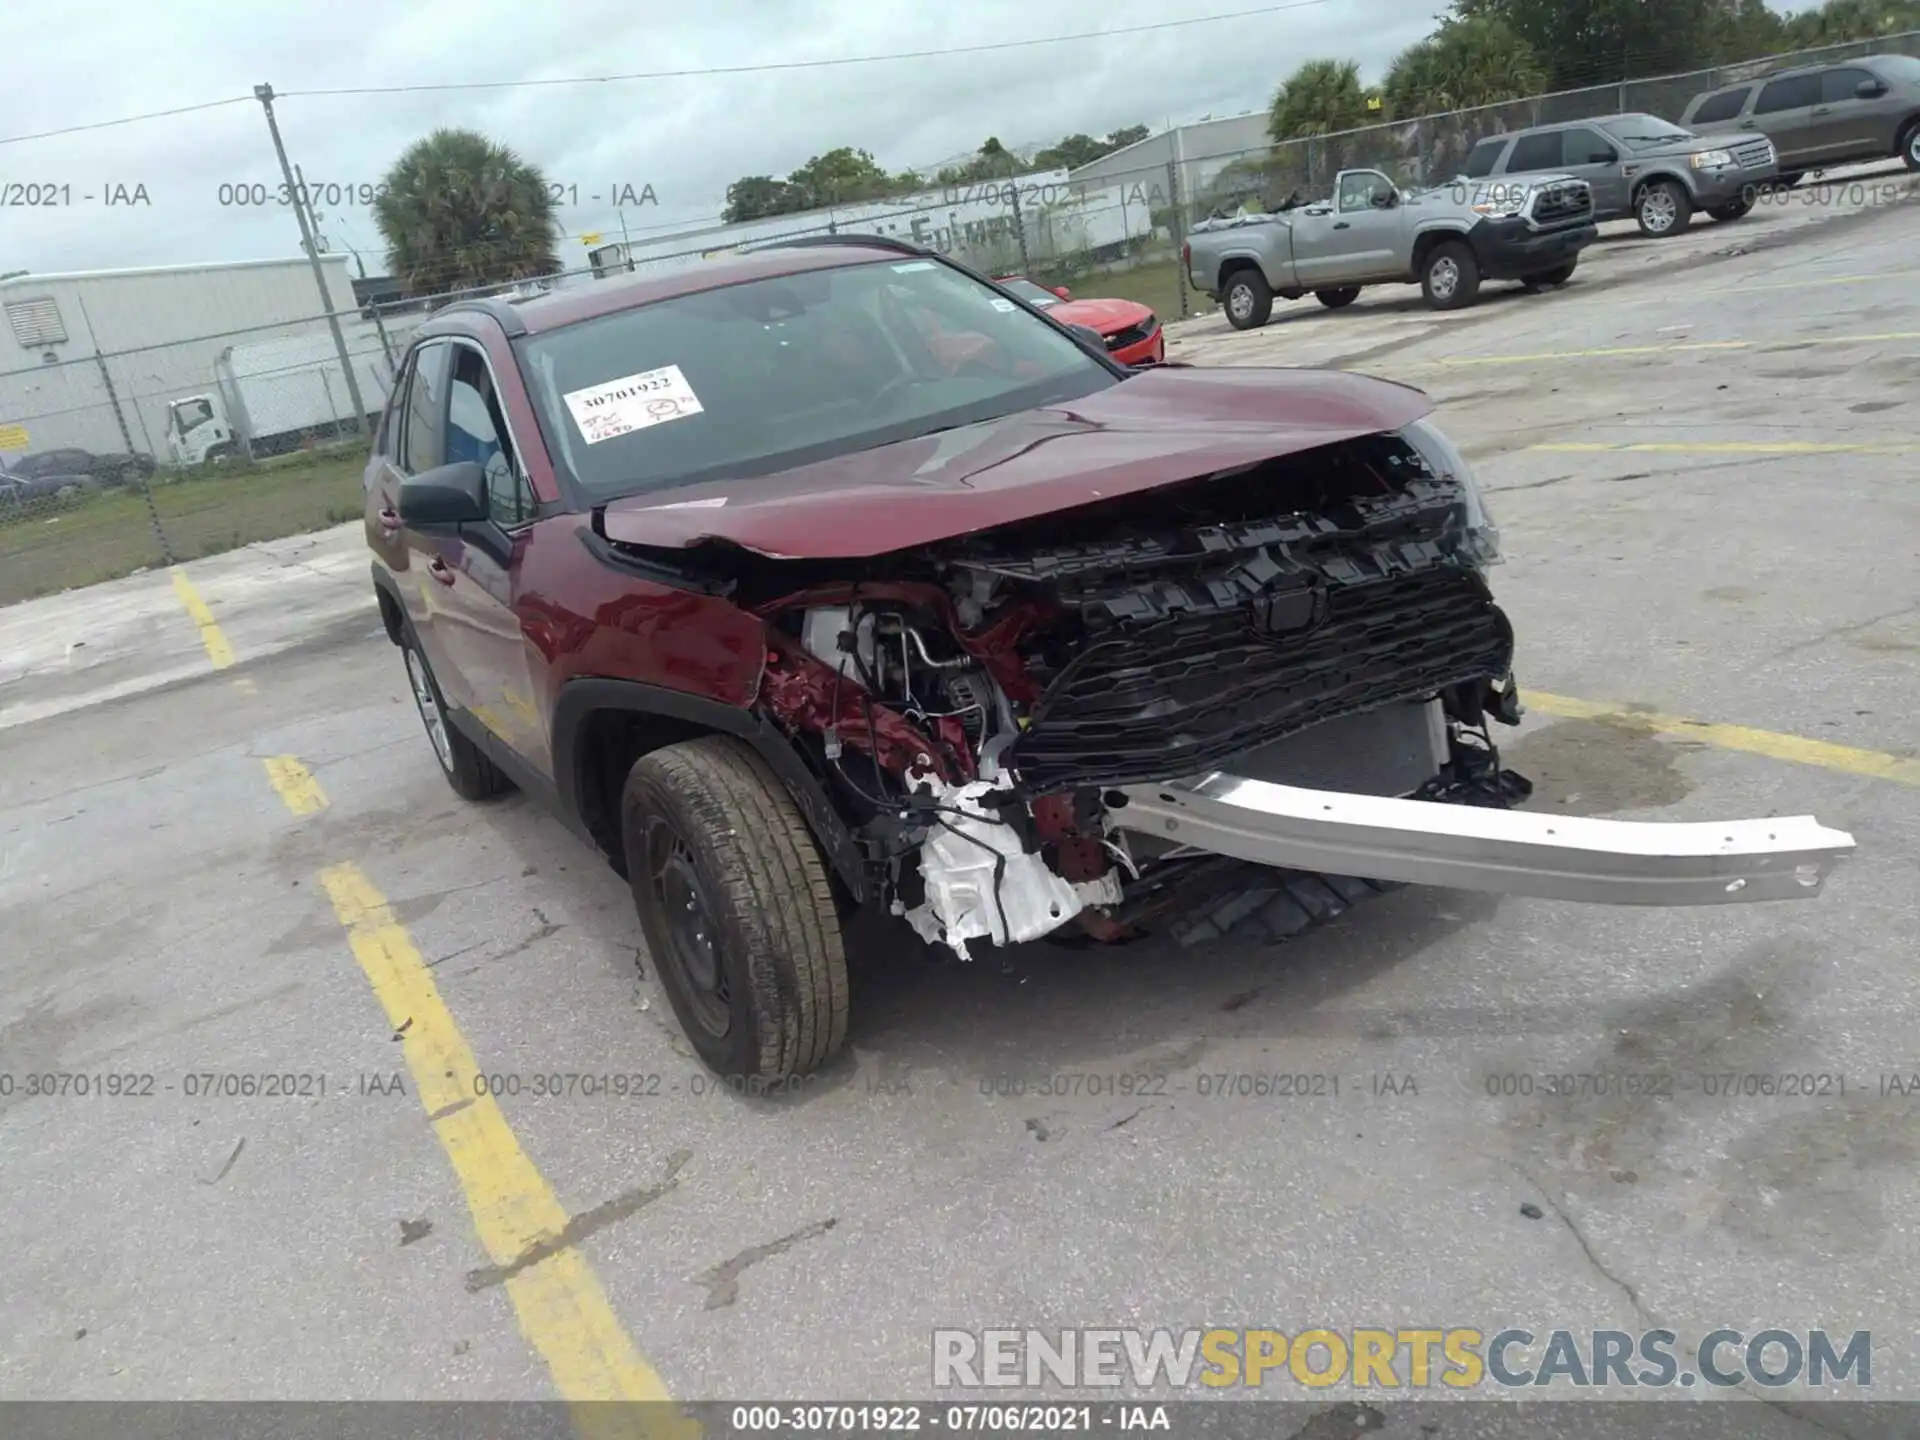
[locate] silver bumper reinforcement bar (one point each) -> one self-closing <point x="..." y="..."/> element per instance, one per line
<point x="1509" y="852"/>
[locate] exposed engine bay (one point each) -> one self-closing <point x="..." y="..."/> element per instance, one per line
<point x="978" y="705"/>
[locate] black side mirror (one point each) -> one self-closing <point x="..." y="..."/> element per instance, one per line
<point x="1385" y="199"/>
<point x="1870" y="89"/>
<point x="445" y="498"/>
<point x="1603" y="157"/>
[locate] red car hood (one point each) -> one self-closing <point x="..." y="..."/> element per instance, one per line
<point x="1156" y="428"/>
<point x="1106" y="316"/>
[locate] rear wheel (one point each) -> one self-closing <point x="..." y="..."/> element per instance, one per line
<point x="737" y="909"/>
<point x="1663" y="208"/>
<point x="472" y="775"/>
<point x="1450" y="278"/>
<point x="1336" y="299"/>
<point x="1248" y="299"/>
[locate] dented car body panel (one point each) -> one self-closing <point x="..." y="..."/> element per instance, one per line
<point x="1031" y="671"/>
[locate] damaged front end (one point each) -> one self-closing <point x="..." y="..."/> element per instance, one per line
<point x="1083" y="719"/>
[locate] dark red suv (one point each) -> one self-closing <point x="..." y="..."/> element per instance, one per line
<point x="832" y="575"/>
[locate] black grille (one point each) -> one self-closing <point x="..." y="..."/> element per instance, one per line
<point x="1186" y="694"/>
<point x="1133" y="334"/>
<point x="1559" y="204"/>
<point x="1753" y="154"/>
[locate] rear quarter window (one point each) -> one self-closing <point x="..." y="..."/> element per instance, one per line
<point x="1724" y="106"/>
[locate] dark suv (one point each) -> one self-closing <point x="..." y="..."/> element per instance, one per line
<point x="1819" y="116"/>
<point x="836" y="575"/>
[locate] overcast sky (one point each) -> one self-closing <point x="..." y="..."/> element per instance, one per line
<point x="688" y="138"/>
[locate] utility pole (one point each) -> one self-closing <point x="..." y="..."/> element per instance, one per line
<point x="264" y="94"/>
<point x="1019" y="221"/>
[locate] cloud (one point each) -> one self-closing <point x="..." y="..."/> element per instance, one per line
<point x="686" y="137"/>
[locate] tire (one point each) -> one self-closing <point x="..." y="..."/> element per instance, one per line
<point x="219" y="454"/>
<point x="737" y="910"/>
<point x="1663" y="208"/>
<point x="1910" y="146"/>
<point x="1338" y="299"/>
<point x="1788" y="179"/>
<point x="1450" y="276"/>
<point x="1247" y="299"/>
<point x="468" y="770"/>
<point x="1732" y="210"/>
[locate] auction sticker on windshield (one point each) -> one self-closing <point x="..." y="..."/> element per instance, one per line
<point x="633" y="402"/>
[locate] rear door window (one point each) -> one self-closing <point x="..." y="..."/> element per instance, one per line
<point x="1837" y="85"/>
<point x="1793" y="93"/>
<point x="1483" y="158"/>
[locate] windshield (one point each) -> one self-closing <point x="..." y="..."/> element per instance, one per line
<point x="1036" y="295"/>
<point x="1898" y="67"/>
<point x="753" y="378"/>
<point x="1643" y="132"/>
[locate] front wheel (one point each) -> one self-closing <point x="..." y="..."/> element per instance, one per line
<point x="1248" y="299"/>
<point x="1338" y="299"/>
<point x="737" y="909"/>
<point x="1910" y="146"/>
<point x="471" y="774"/>
<point x="1663" y="208"/>
<point x="1450" y="279"/>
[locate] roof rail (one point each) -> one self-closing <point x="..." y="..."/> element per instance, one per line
<point x="508" y="318"/>
<point x="876" y="242"/>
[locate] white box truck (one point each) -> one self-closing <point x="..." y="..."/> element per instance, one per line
<point x="276" y="396"/>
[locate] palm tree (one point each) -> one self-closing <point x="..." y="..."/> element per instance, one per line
<point x="459" y="211"/>
<point x="1320" y="98"/>
<point x="1462" y="65"/>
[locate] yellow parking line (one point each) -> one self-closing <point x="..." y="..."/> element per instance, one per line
<point x="218" y="650"/>
<point x="1872" y="764"/>
<point x="563" y="1310"/>
<point x="1813" y="284"/>
<point x="1730" y="447"/>
<point x="295" y="785"/>
<point x="1452" y="362"/>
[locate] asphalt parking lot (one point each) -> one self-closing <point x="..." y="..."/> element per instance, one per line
<point x="250" y="865"/>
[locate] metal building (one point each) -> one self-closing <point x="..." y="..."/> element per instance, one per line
<point x="90" y="359"/>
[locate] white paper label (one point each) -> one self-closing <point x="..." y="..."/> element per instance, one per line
<point x="633" y="402"/>
<point x="718" y="500"/>
<point x="912" y="265"/>
<point x="1006" y="305"/>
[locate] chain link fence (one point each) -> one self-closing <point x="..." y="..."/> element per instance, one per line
<point x="116" y="461"/>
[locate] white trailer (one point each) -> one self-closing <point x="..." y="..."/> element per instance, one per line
<point x="275" y="396"/>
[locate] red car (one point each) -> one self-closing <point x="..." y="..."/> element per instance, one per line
<point x="1131" y="330"/>
<point x="789" y="610"/>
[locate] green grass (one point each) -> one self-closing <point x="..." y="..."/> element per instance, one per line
<point x="53" y="547"/>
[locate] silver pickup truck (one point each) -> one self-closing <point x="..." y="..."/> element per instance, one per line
<point x="1447" y="239"/>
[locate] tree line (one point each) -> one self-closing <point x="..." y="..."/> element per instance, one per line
<point x="847" y="176"/>
<point x="1485" y="52"/>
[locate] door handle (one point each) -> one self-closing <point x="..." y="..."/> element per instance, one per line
<point x="1341" y="225"/>
<point x="440" y="570"/>
<point x="1823" y="110"/>
<point x="389" y="520"/>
